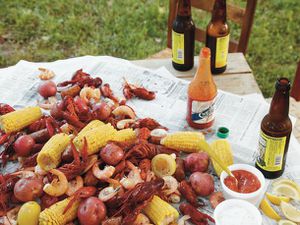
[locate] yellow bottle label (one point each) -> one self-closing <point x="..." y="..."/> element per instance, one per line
<point x="222" y="46"/>
<point x="270" y="152"/>
<point x="177" y="47"/>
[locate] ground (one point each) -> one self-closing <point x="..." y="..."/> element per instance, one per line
<point x="48" y="30"/>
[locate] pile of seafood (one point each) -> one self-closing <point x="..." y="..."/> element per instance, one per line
<point x="87" y="158"/>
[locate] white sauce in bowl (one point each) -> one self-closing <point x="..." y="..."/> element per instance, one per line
<point x="236" y="216"/>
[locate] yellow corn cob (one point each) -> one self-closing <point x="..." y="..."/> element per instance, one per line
<point x="19" y="119"/>
<point x="50" y="155"/>
<point x="161" y="212"/>
<point x="54" y="214"/>
<point x="222" y="149"/>
<point x="96" y="138"/>
<point x="186" y="141"/>
<point x="91" y="125"/>
<point x="124" y="135"/>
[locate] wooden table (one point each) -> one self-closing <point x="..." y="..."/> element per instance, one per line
<point x="237" y="78"/>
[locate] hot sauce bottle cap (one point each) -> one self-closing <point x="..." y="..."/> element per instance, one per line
<point x="223" y="132"/>
<point x="205" y="52"/>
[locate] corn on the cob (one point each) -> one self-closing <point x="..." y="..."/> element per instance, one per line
<point x="91" y="125"/>
<point x="54" y="214"/>
<point x="96" y="138"/>
<point x="186" y="141"/>
<point x="222" y="148"/>
<point x="19" y="119"/>
<point x="50" y="155"/>
<point x="125" y="135"/>
<point x="161" y="212"/>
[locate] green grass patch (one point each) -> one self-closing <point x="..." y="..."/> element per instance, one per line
<point x="49" y="30"/>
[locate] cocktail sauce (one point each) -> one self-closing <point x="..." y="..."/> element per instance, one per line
<point x="247" y="182"/>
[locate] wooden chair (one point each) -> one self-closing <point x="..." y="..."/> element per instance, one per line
<point x="240" y="16"/>
<point x="295" y="93"/>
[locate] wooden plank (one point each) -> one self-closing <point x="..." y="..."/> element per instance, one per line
<point x="234" y="13"/>
<point x="241" y="84"/>
<point x="237" y="64"/>
<point x="295" y="93"/>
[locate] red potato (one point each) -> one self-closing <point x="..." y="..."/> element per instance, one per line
<point x="216" y="198"/>
<point x="47" y="89"/>
<point x="23" y="145"/>
<point x="57" y="110"/>
<point x="28" y="189"/>
<point x="81" y="105"/>
<point x="112" y="154"/>
<point x="91" y="211"/>
<point x="102" y="111"/>
<point x="202" y="183"/>
<point x="197" y="162"/>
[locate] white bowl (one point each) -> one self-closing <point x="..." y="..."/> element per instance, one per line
<point x="253" y="197"/>
<point x="237" y="212"/>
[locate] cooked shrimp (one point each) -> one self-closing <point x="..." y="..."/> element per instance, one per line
<point x="91" y="160"/>
<point x="133" y="178"/>
<point x="24" y="173"/>
<point x="171" y="185"/>
<point x="46" y="74"/>
<point x="74" y="185"/>
<point x="104" y="174"/>
<point x="107" y="193"/>
<point x="88" y="93"/>
<point x="58" y="186"/>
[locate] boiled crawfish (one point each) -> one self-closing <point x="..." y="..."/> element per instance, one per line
<point x="107" y="92"/>
<point x="132" y="202"/>
<point x="75" y="168"/>
<point x="5" y="108"/>
<point x="143" y="149"/>
<point x="82" y="79"/>
<point x="149" y="123"/>
<point x="130" y="91"/>
<point x="7" y="183"/>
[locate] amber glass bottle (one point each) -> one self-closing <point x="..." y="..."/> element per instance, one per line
<point x="202" y="92"/>
<point x="183" y="37"/>
<point x="276" y="128"/>
<point x="217" y="37"/>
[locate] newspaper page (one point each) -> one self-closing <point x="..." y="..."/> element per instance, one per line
<point x="242" y="115"/>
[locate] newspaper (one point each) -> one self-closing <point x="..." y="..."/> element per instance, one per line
<point x="241" y="114"/>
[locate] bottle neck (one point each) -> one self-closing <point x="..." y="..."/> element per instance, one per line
<point x="184" y="8"/>
<point x="219" y="11"/>
<point x="204" y="71"/>
<point x="279" y="109"/>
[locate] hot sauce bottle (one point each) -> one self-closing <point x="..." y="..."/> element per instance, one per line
<point x="202" y="92"/>
<point x="276" y="128"/>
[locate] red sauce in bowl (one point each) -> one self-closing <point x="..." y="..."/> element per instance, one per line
<point x="247" y="182"/>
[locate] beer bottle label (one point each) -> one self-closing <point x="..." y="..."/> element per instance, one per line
<point x="177" y="47"/>
<point x="270" y="152"/>
<point x="202" y="112"/>
<point x="222" y="46"/>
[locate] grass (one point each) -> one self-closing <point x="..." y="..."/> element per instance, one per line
<point x="48" y="30"/>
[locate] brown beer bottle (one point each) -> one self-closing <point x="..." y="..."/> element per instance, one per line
<point x="276" y="128"/>
<point x="217" y="37"/>
<point x="183" y="37"/>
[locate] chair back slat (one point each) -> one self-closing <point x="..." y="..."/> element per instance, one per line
<point x="240" y="16"/>
<point x="295" y="93"/>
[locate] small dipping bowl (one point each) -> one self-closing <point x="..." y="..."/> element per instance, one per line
<point x="253" y="197"/>
<point x="237" y="212"/>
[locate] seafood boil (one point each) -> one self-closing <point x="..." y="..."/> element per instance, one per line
<point x="88" y="158"/>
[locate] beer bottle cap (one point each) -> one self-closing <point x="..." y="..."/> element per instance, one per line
<point x="223" y="132"/>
